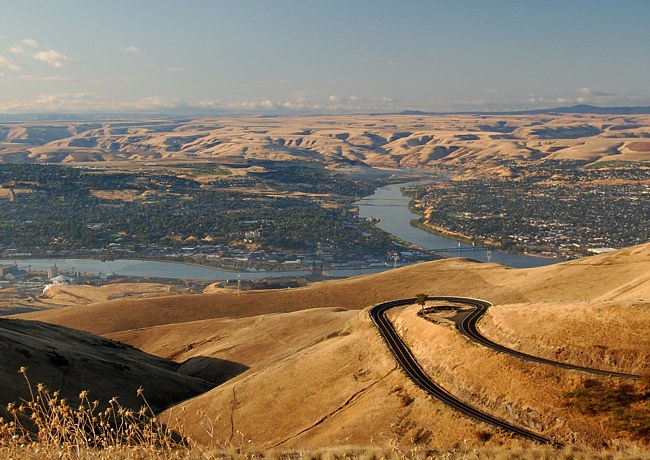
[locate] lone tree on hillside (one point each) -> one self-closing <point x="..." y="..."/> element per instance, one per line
<point x="421" y="299"/>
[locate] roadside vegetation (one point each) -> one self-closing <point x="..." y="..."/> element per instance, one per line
<point x="624" y="406"/>
<point x="46" y="426"/>
<point x="47" y="423"/>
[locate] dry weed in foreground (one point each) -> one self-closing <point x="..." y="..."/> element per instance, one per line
<point x="48" y="423"/>
<point x="334" y="453"/>
<point x="47" y="427"/>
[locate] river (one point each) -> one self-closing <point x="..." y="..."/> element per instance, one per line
<point x="391" y="208"/>
<point x="387" y="203"/>
<point x="157" y="269"/>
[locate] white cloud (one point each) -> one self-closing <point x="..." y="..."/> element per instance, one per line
<point x="339" y="102"/>
<point x="52" y="103"/>
<point x="267" y="104"/>
<point x="82" y="102"/>
<point x="249" y="105"/>
<point x="590" y="92"/>
<point x="54" y="58"/>
<point x="16" y="49"/>
<point x="252" y="105"/>
<point x="293" y="105"/>
<point x="149" y="103"/>
<point x="30" y="42"/>
<point x="45" y="78"/>
<point x="6" y="63"/>
<point x="535" y="99"/>
<point x="208" y="104"/>
<point x="586" y="95"/>
<point x="132" y="50"/>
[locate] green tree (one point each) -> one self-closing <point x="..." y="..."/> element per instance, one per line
<point x="421" y="299"/>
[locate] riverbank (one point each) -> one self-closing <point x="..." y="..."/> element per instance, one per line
<point x="228" y="265"/>
<point x="440" y="231"/>
<point x="416" y="208"/>
<point x="395" y="213"/>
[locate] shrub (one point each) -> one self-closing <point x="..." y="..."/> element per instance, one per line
<point x="49" y="421"/>
<point x="627" y="405"/>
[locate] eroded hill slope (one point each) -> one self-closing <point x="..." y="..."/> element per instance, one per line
<point x="318" y="373"/>
<point x="377" y="141"/>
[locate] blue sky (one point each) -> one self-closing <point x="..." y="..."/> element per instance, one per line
<point x="321" y="56"/>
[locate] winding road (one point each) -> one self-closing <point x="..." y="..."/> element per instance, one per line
<point x="417" y="374"/>
<point x="468" y="326"/>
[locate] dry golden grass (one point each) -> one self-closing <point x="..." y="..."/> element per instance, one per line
<point x="310" y="354"/>
<point x="5" y="193"/>
<point x="46" y="426"/>
<point x="389" y="141"/>
<point x="71" y="361"/>
<point x="253" y="341"/>
<point x="526" y="394"/>
<point x="84" y="294"/>
<point x="49" y="420"/>
<point x="622" y="275"/>
<point x="605" y="335"/>
<point x="345" y="389"/>
<point x="12" y="299"/>
<point x="13" y="296"/>
<point x="120" y="195"/>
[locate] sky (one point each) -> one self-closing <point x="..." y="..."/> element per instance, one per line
<point x="321" y="56"/>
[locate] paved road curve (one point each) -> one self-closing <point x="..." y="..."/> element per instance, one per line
<point x="468" y="326"/>
<point x="417" y="374"/>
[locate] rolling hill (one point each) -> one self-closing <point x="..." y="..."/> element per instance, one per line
<point x="409" y="140"/>
<point x="73" y="361"/>
<point x="306" y="367"/>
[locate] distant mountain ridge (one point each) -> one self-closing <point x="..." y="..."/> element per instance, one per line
<point x="580" y="108"/>
<point x="584" y="108"/>
<point x="97" y="116"/>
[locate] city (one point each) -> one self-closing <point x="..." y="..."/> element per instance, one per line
<point x="548" y="209"/>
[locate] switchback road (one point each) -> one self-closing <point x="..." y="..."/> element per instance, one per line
<point x="420" y="378"/>
<point x="468" y="326"/>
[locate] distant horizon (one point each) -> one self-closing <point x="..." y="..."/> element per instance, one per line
<point x="309" y="57"/>
<point x="74" y="116"/>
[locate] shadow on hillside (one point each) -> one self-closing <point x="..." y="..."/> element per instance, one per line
<point x="213" y="370"/>
<point x="18" y="309"/>
<point x="71" y="361"/>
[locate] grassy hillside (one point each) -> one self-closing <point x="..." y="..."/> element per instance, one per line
<point x="305" y="368"/>
<point x="377" y="141"/>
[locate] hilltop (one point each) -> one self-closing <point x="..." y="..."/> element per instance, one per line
<point x="313" y="352"/>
